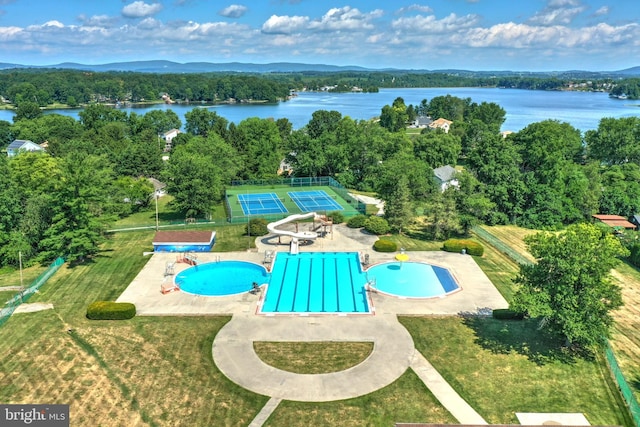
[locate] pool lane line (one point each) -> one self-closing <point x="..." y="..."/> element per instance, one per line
<point x="335" y="262"/>
<point x="295" y="287"/>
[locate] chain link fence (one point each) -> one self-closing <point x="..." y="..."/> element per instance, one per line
<point x="24" y="295"/>
<point x="623" y="386"/>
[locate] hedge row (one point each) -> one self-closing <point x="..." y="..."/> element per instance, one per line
<point x="384" y="245"/>
<point x="109" y="310"/>
<point x="457" y="245"/>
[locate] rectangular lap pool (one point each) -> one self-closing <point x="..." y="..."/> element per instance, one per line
<point x="316" y="282"/>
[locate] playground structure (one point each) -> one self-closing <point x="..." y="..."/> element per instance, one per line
<point x="189" y="258"/>
<point x="297" y="235"/>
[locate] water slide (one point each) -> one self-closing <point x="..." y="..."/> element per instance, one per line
<point x="295" y="236"/>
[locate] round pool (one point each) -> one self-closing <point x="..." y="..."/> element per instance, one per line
<point x="412" y="279"/>
<point x="221" y="278"/>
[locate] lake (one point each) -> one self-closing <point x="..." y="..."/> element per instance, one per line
<point x="583" y="110"/>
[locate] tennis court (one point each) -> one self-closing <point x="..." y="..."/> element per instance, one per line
<point x="261" y="204"/>
<point x="315" y="200"/>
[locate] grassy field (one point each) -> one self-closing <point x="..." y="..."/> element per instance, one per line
<point x="626" y="332"/>
<point x="503" y="367"/>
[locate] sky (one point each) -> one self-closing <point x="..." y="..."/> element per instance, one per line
<point x="519" y="35"/>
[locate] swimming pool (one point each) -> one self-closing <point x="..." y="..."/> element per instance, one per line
<point x="316" y="282"/>
<point x="221" y="278"/>
<point x="412" y="279"/>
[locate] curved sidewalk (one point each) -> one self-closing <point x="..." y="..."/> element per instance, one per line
<point x="392" y="354"/>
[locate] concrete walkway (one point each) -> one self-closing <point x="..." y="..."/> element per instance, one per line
<point x="392" y="354"/>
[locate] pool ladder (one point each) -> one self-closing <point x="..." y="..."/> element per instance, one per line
<point x="218" y="258"/>
<point x="371" y="284"/>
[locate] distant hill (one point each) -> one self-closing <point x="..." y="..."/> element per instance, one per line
<point x="161" y="66"/>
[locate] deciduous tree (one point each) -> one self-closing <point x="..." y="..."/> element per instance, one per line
<point x="569" y="287"/>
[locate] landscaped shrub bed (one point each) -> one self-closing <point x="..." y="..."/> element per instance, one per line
<point x="337" y="217"/>
<point x="384" y="245"/>
<point x="376" y="225"/>
<point x="356" y="221"/>
<point x="109" y="310"/>
<point x="457" y="245"/>
<point x="507" y="314"/>
<point x="257" y="227"/>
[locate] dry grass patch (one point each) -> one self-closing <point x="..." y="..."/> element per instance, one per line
<point x="313" y="357"/>
<point x="513" y="236"/>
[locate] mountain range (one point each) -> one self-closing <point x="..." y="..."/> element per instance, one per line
<point x="161" y="66"/>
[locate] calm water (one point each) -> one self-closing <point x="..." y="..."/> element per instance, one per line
<point x="221" y="278"/>
<point x="412" y="279"/>
<point x="316" y="282"/>
<point x="583" y="110"/>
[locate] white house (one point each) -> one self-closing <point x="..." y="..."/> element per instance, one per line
<point x="445" y="177"/>
<point x="441" y="123"/>
<point x="22" y="145"/>
<point x="168" y="137"/>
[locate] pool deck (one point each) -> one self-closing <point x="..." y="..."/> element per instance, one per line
<point x="478" y="295"/>
<point x="393" y="350"/>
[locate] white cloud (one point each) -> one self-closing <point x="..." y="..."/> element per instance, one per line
<point x="558" y="12"/>
<point x="140" y="9"/>
<point x="414" y="8"/>
<point x="97" y="20"/>
<point x="345" y="19"/>
<point x="604" y="10"/>
<point x="430" y="24"/>
<point x="284" y="24"/>
<point x="233" y="11"/>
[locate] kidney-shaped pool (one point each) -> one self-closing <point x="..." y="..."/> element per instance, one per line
<point x="221" y="278"/>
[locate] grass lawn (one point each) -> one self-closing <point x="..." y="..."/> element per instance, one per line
<point x="503" y="367"/>
<point x="311" y="357"/>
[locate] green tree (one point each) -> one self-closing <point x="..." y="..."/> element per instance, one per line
<point x="397" y="206"/>
<point x="615" y="141"/>
<point x="394" y="118"/>
<point x="570" y="287"/>
<point x="202" y="122"/>
<point x="198" y="171"/>
<point x="27" y="110"/>
<point x="437" y="148"/>
<point x="77" y="224"/>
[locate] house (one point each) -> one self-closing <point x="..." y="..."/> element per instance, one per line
<point x="184" y="241"/>
<point x="22" y="145"/>
<point x="445" y="177"/>
<point x="506" y="133"/>
<point x="168" y="137"/>
<point x="285" y="168"/>
<point x="615" y="221"/>
<point x="441" y="123"/>
<point x="422" y="122"/>
<point x="636" y="220"/>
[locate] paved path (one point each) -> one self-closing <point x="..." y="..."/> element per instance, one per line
<point x="391" y="356"/>
<point x="441" y="389"/>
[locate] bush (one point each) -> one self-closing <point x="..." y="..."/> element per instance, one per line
<point x="457" y="245"/>
<point x="507" y="314"/>
<point x="376" y="225"/>
<point x="336" y="216"/>
<point x="384" y="245"/>
<point x="356" y="221"/>
<point x="256" y="227"/>
<point x="109" y="310"/>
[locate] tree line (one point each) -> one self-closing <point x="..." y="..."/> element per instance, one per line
<point x="73" y="88"/>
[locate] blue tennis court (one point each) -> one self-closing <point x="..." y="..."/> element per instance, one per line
<point x="316" y="200"/>
<point x="261" y="204"/>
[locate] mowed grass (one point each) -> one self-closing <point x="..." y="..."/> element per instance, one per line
<point x="503" y="367"/>
<point x="318" y="357"/>
<point x="626" y="331"/>
<point x="405" y="400"/>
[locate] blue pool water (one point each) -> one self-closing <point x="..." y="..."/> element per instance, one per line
<point x="221" y="278"/>
<point x="316" y="282"/>
<point x="412" y="279"/>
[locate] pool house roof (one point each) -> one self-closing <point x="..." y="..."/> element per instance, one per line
<point x="180" y="237"/>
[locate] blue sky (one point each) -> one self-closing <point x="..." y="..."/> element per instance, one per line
<point x="596" y="35"/>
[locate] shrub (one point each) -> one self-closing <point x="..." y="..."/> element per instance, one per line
<point x="376" y="225"/>
<point x="336" y="216"/>
<point x="109" y="310"/>
<point x="384" y="245"/>
<point x="356" y="221"/>
<point x="256" y="227"/>
<point x="457" y="245"/>
<point x="507" y="314"/>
